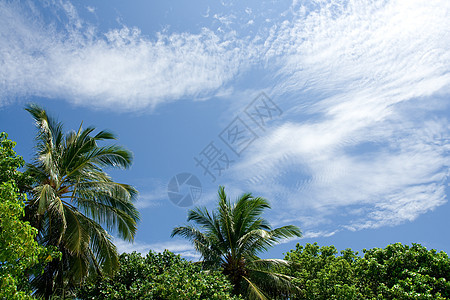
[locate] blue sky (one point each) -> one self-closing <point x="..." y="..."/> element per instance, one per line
<point x="337" y="112"/>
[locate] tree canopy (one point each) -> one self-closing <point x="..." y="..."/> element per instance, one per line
<point x="73" y="200"/>
<point x="395" y="272"/>
<point x="158" y="276"/>
<point x="54" y="242"/>
<point x="231" y="237"/>
<point x="20" y="254"/>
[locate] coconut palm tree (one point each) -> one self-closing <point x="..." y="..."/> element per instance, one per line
<point x="230" y="238"/>
<point x="73" y="199"/>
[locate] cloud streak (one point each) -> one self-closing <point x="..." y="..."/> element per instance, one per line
<point x="371" y="150"/>
<point x="121" y="68"/>
<point x="183" y="248"/>
<point x="363" y="85"/>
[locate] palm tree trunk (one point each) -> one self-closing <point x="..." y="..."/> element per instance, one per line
<point x="48" y="281"/>
<point x="50" y="272"/>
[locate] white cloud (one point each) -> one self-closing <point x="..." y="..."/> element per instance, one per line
<point x="152" y="194"/>
<point x="185" y="249"/>
<point x="91" y="9"/>
<point x="364" y="45"/>
<point x="370" y="174"/>
<point x="371" y="150"/>
<point x="149" y="200"/>
<point x="122" y="69"/>
<point x="226" y="20"/>
<point x="362" y="85"/>
<point x="316" y="234"/>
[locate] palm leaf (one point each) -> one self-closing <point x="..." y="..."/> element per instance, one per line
<point x="73" y="198"/>
<point x="253" y="291"/>
<point x="233" y="235"/>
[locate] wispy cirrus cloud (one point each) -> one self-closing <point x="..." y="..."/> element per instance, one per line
<point x="362" y="45"/>
<point x="364" y="86"/>
<point x="153" y="192"/>
<point x="121" y="68"/>
<point x="149" y="200"/>
<point x="364" y="143"/>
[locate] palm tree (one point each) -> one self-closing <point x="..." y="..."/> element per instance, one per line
<point x="230" y="238"/>
<point x="72" y="199"/>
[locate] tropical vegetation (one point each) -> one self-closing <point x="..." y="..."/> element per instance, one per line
<point x="72" y="198"/>
<point x="230" y="237"/>
<point x="395" y="272"/>
<point x="57" y="219"/>
<point x="158" y="276"/>
<point x="20" y="254"/>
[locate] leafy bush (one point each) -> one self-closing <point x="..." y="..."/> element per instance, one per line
<point x="395" y="272"/>
<point x="320" y="274"/>
<point x="402" y="272"/>
<point x="20" y="254"/>
<point x="157" y="276"/>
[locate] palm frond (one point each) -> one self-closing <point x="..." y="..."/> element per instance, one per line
<point x="268" y="264"/>
<point x="77" y="267"/>
<point x="209" y="222"/>
<point x="109" y="203"/>
<point x="206" y="245"/>
<point x="76" y="238"/>
<point x="253" y="292"/>
<point x="73" y="198"/>
<point x="114" y="218"/>
<point x="103" y="248"/>
<point x="44" y="196"/>
<point x="273" y="283"/>
<point x="234" y="234"/>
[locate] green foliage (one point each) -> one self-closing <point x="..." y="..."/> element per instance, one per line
<point x="230" y="238"/>
<point x="403" y="272"/>
<point x="19" y="252"/>
<point x="10" y="162"/>
<point x="73" y="199"/>
<point x="157" y="276"/>
<point x="320" y="274"/>
<point x="396" y="272"/>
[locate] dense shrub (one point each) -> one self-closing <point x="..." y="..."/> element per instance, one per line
<point x="20" y="254"/>
<point x="395" y="272"/>
<point x="157" y="276"/>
